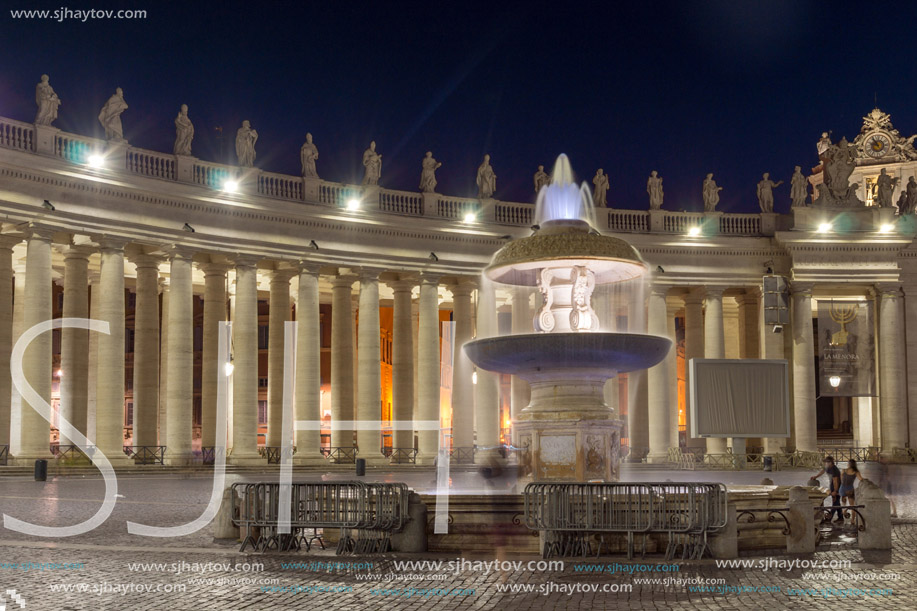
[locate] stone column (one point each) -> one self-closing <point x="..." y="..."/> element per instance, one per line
<point x="462" y="369"/>
<point x="110" y="373"/>
<point x="341" y="358"/>
<point x="369" y="373"/>
<point x="658" y="382"/>
<point x="163" y="359"/>
<point x="402" y="362"/>
<point x="245" y="366"/>
<point x="92" y="373"/>
<point x="714" y="347"/>
<point x="803" y="368"/>
<point x="211" y="367"/>
<point x="428" y="367"/>
<point x="520" y="391"/>
<point x="694" y="349"/>
<point x="278" y="314"/>
<point x="6" y="335"/>
<point x="748" y="325"/>
<point x="672" y="308"/>
<point x="75" y="342"/>
<point x="770" y="346"/>
<point x="35" y="431"/>
<point x="487" y="390"/>
<point x="180" y="371"/>
<point x="308" y="395"/>
<point x="892" y="399"/>
<point x="146" y="351"/>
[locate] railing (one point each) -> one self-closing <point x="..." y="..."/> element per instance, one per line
<point x="680" y="222"/>
<point x="508" y="213"/>
<point x="461" y="455"/>
<point x="823" y="512"/>
<point x="280" y="186"/>
<point x="904" y="455"/>
<point x="401" y="202"/>
<point x="148" y="163"/>
<point x="772" y="513"/>
<point x="272" y="453"/>
<point x="844" y="454"/>
<point x="146" y="455"/>
<point x="4" y="454"/>
<point x="457" y="207"/>
<point x="208" y="455"/>
<point x="71" y="454"/>
<point x="76" y="149"/>
<point x="336" y="194"/>
<point x="628" y="221"/>
<point x="341" y="455"/>
<point x="401" y="455"/>
<point x="740" y="224"/>
<point x="213" y="175"/>
<point x="17" y="135"/>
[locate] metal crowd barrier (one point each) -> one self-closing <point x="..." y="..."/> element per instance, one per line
<point x="366" y="513"/>
<point x="4" y="454"/>
<point x="570" y="513"/>
<point x="146" y="455"/>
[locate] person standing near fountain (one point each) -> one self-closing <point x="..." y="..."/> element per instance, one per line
<point x="711" y="194"/>
<point x="600" y="194"/>
<point x="486" y="179"/>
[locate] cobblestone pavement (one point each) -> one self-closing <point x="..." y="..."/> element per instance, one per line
<point x="110" y="569"/>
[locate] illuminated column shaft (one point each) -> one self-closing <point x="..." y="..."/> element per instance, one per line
<point x="18" y="315"/>
<point x="92" y="373"/>
<point x="245" y="362"/>
<point x="110" y="373"/>
<point x="694" y="348"/>
<point x="369" y="385"/>
<point x="75" y="342"/>
<point x="402" y="362"/>
<point x="714" y="348"/>
<point x="771" y="346"/>
<point x="521" y="392"/>
<point x="462" y="388"/>
<point x="341" y="360"/>
<point x="487" y="390"/>
<point x="428" y="370"/>
<point x="278" y="314"/>
<point x="308" y="395"/>
<point x="672" y="381"/>
<point x="804" y="368"/>
<point x="163" y="361"/>
<point x="211" y="368"/>
<point x="6" y="336"/>
<point x="892" y="399"/>
<point x="658" y="382"/>
<point x="179" y="401"/>
<point x="146" y="351"/>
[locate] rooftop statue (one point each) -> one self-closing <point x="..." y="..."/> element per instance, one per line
<point x="428" y="173"/>
<point x="372" y="162"/>
<point x="184" y="132"/>
<point x="654" y="189"/>
<point x="47" y="101"/>
<point x="711" y="194"/>
<point x="110" y="116"/>
<point x="600" y="194"/>
<point x="885" y="185"/>
<point x="879" y="140"/>
<point x="902" y="203"/>
<point x="766" y="192"/>
<point x="839" y="163"/>
<point x="486" y="179"/>
<point x="307" y="156"/>
<point x="799" y="188"/>
<point x="541" y="179"/>
<point x="823" y="144"/>
<point x="246" y="138"/>
<point x="911" y="195"/>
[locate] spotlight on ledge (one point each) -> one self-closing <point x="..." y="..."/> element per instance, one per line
<point x="433" y="257"/>
<point x="886" y="228"/>
<point x="353" y="204"/>
<point x="824" y="228"/>
<point x="313" y="245"/>
<point x="188" y="228"/>
<point x="694" y="231"/>
<point x="659" y="269"/>
<point x="535" y="227"/>
<point x="470" y="217"/>
<point x="230" y="186"/>
<point x="95" y="161"/>
<point x="48" y="205"/>
<point x="777" y="329"/>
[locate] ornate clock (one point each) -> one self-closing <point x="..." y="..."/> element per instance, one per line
<point x="878" y="145"/>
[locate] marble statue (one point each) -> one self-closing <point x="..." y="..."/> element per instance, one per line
<point x="885" y="185"/>
<point x="110" y="116"/>
<point x="911" y="195"/>
<point x="372" y="162"/>
<point x="541" y="179"/>
<point x="307" y="156"/>
<point x="711" y="194"/>
<point x="47" y="101"/>
<point x="428" y="173"/>
<point x="600" y="194"/>
<point x="246" y="138"/>
<point x="184" y="132"/>
<point x="766" y="192"/>
<point x="799" y="188"/>
<point x="823" y="144"/>
<point x="839" y="161"/>
<point x="486" y="179"/>
<point x="902" y="203"/>
<point x="654" y="189"/>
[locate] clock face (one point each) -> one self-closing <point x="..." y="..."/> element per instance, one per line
<point x="878" y="145"/>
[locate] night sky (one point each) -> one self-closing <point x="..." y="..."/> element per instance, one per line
<point x="736" y="88"/>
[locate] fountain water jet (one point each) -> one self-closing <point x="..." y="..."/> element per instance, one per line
<point x="567" y="429"/>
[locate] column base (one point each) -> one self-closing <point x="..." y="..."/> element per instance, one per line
<point x="657" y="459"/>
<point x="246" y="460"/>
<point x="425" y="459"/>
<point x="178" y="460"/>
<point x="28" y="460"/>
<point x="310" y="461"/>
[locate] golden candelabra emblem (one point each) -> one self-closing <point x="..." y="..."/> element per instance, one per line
<point x="842" y="314"/>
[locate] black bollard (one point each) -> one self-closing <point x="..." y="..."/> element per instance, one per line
<point x="768" y="463"/>
<point x="361" y="467"/>
<point x="41" y="470"/>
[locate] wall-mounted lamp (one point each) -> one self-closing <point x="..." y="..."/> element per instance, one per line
<point x="433" y="257"/>
<point x="48" y="205"/>
<point x="313" y="245"/>
<point x="188" y="228"/>
<point x="834" y="381"/>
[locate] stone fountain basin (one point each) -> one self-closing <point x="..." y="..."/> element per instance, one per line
<point x="585" y="352"/>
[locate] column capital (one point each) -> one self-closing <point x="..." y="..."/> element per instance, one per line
<point x="213" y="268"/>
<point x="463" y="287"/>
<point x="714" y="292"/>
<point x="369" y="274"/>
<point x="888" y="290"/>
<point x="754" y="292"/>
<point x="430" y="278"/>
<point x="247" y="261"/>
<point x="80" y="251"/>
<point x="402" y="285"/>
<point x="695" y="296"/>
<point x="178" y="251"/>
<point x="282" y="274"/>
<point x="802" y="288"/>
<point x="111" y="243"/>
<point x="307" y="266"/>
<point x="39" y="232"/>
<point x="9" y="241"/>
<point x="343" y="281"/>
<point x="659" y="290"/>
<point x="145" y="261"/>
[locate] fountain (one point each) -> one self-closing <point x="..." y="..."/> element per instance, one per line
<point x="567" y="430"/>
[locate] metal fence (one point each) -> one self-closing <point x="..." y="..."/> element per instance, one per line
<point x="401" y="455"/>
<point x="4" y="454"/>
<point x="572" y="513"/>
<point x="366" y="513"/>
<point x="146" y="455"/>
<point x="344" y="455"/>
